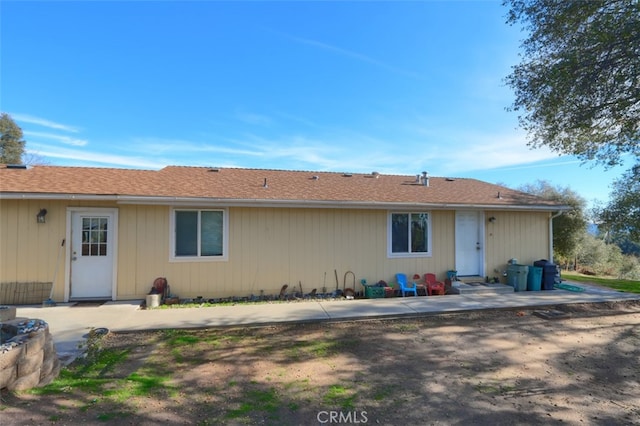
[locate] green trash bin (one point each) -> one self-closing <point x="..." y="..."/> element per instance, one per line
<point x="517" y="276"/>
<point x="534" y="278"/>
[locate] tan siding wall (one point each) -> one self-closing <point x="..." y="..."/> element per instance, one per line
<point x="522" y="235"/>
<point x="271" y="247"/>
<point x="268" y="247"/>
<point x="143" y="248"/>
<point x="29" y="250"/>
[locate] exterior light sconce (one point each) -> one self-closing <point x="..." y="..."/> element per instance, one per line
<point x="40" y="217"/>
<point x="492" y="219"/>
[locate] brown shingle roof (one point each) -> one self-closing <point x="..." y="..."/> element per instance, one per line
<point x="245" y="185"/>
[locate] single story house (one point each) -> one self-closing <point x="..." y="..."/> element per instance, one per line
<point x="106" y="233"/>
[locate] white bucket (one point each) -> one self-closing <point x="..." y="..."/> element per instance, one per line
<point x="153" y="300"/>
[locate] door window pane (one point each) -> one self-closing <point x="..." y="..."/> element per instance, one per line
<point x="94" y="236"/>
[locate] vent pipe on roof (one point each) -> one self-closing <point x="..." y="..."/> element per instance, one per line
<point x="264" y="185"/>
<point x="425" y="178"/>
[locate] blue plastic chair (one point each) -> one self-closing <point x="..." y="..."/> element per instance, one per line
<point x="405" y="286"/>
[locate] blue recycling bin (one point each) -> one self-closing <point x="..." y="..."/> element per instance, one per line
<point x="534" y="278"/>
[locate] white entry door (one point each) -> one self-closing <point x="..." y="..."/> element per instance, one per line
<point x="92" y="254"/>
<point x="469" y="243"/>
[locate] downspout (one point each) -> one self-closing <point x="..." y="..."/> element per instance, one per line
<point x="551" y="235"/>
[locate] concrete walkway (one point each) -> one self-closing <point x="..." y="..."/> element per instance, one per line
<point x="70" y="324"/>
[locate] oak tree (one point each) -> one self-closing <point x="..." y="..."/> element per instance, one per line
<point x="11" y="142"/>
<point x="577" y="88"/>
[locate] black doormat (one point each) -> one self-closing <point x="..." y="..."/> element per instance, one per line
<point x="88" y="303"/>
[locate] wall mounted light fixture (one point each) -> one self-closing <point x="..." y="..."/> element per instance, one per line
<point x="40" y="217"/>
<point x="492" y="219"/>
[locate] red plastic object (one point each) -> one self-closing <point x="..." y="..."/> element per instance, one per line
<point x="433" y="285"/>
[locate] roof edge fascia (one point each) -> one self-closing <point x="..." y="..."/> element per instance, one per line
<point x="225" y="202"/>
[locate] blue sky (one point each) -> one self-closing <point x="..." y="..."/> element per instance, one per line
<point x="395" y="87"/>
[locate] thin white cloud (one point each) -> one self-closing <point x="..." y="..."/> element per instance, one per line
<point x="26" y="118"/>
<point x="448" y="150"/>
<point x="296" y="119"/>
<point x="441" y="152"/>
<point x="561" y="163"/>
<point x="92" y="157"/>
<point x="255" y="119"/>
<point x="493" y="151"/>
<point x="343" y="151"/>
<point x="60" y="138"/>
<point x="349" y="54"/>
<point x="154" y="146"/>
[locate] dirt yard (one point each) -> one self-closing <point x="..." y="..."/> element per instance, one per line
<point x="498" y="367"/>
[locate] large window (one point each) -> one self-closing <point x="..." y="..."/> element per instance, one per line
<point x="198" y="234"/>
<point x="409" y="234"/>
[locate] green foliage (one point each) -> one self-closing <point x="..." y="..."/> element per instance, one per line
<point x="622" y="215"/>
<point x="598" y="257"/>
<point x="577" y="87"/>
<point x="11" y="142"/>
<point x="568" y="228"/>
<point x="630" y="269"/>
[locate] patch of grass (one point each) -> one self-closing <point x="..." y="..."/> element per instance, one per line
<point x="322" y="349"/>
<point x="100" y="362"/>
<point x="629" y="286"/>
<point x="383" y="393"/>
<point x="315" y="348"/>
<point x="69" y="381"/>
<point x="94" y="376"/>
<point x="180" y="338"/>
<point x="406" y="328"/>
<point x="256" y="400"/>
<point x="339" y="396"/>
<point x="144" y="385"/>
<point x="105" y="417"/>
<point x="293" y="406"/>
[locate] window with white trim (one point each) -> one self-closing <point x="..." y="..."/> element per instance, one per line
<point x="198" y="234"/>
<point x="409" y="234"/>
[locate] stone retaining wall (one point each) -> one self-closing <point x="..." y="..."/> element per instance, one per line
<point x="28" y="359"/>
